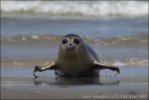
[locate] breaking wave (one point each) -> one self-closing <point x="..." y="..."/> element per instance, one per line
<point x="76" y="8"/>
<point x="141" y="39"/>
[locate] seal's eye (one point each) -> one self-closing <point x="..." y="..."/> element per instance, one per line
<point x="64" y="41"/>
<point x="76" y="41"/>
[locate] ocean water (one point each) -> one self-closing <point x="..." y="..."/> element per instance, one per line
<point x="116" y="30"/>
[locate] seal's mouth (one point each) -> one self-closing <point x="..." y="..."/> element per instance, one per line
<point x="70" y="54"/>
<point x="70" y="49"/>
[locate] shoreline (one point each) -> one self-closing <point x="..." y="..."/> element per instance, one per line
<point x="45" y="62"/>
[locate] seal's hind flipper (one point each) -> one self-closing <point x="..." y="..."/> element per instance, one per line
<point x="103" y="66"/>
<point x="38" y="68"/>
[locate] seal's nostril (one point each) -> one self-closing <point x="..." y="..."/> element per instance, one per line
<point x="70" y="44"/>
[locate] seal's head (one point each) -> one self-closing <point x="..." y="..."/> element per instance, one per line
<point x="71" y="47"/>
<point x="71" y="43"/>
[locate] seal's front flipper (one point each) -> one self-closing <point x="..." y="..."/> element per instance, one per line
<point x="103" y="66"/>
<point x="37" y="68"/>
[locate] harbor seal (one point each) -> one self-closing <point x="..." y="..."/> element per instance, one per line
<point x="76" y="59"/>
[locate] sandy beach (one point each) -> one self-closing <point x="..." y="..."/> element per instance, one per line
<point x="18" y="83"/>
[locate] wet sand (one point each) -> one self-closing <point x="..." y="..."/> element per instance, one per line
<point x="18" y="83"/>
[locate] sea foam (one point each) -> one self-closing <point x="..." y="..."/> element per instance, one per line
<point x="77" y="8"/>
